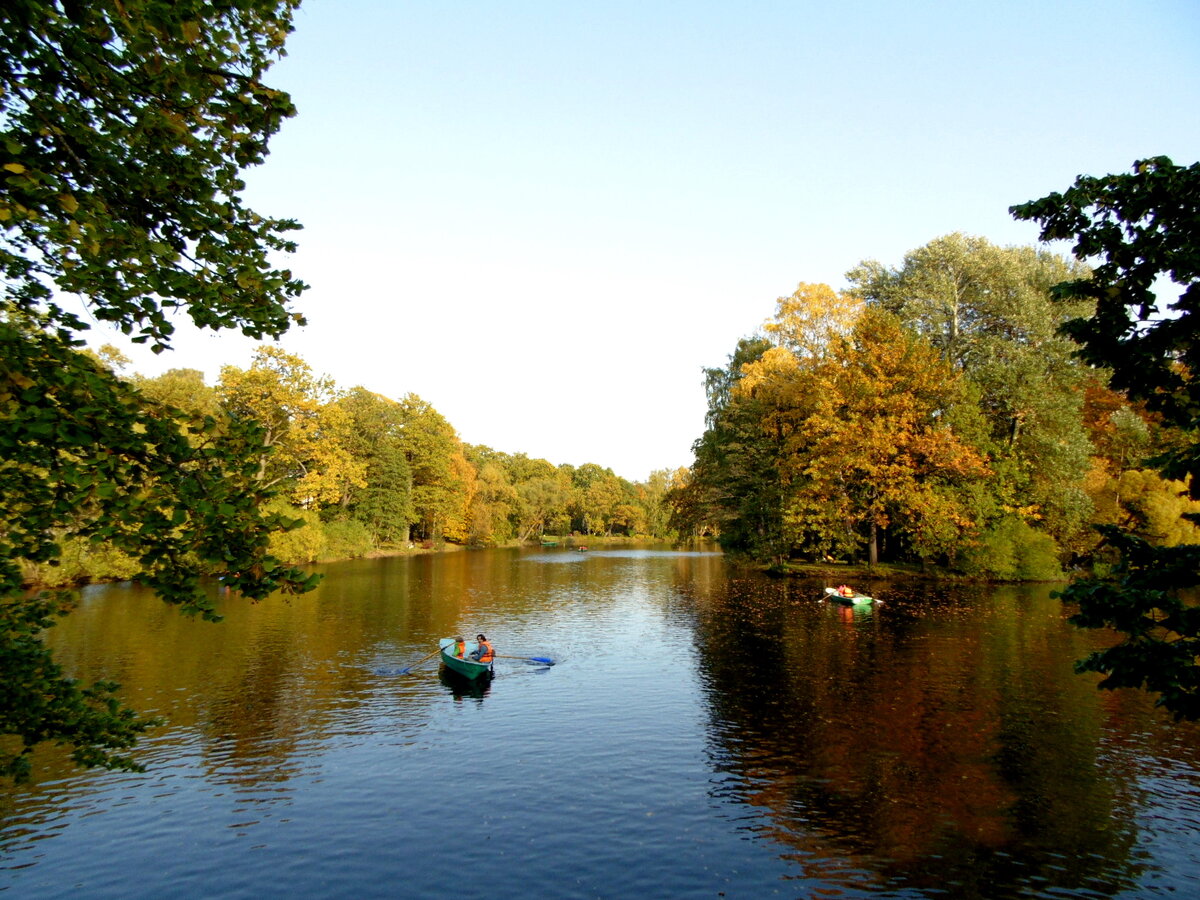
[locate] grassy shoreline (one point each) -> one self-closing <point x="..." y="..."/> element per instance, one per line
<point x="834" y="572"/>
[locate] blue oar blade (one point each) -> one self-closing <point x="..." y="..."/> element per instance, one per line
<point x="544" y="660"/>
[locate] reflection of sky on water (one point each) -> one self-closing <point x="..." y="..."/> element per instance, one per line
<point x="569" y="555"/>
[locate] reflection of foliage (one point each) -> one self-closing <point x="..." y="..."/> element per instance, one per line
<point x="943" y="745"/>
<point x="39" y="704"/>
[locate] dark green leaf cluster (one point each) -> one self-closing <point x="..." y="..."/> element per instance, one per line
<point x="1138" y="227"/>
<point x="85" y="455"/>
<point x="1142" y="601"/>
<point x="1141" y="226"/>
<point x="124" y="127"/>
<point x="123" y="130"/>
<point x="40" y="704"/>
<point x="737" y="489"/>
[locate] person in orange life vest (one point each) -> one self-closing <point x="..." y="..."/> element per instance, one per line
<point x="460" y="647"/>
<point x="845" y="591"/>
<point x="484" y="652"/>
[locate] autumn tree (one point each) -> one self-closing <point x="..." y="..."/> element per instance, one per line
<point x="1137" y="229"/>
<point x="496" y="505"/>
<point x="375" y="438"/>
<point x="464" y="498"/>
<point x="988" y="311"/>
<point x="543" y="496"/>
<point x="654" y="496"/>
<point x="812" y="319"/>
<point x="430" y="445"/>
<point x="183" y="389"/>
<point x="124" y="128"/>
<point x="688" y="514"/>
<point x="595" y="494"/>
<point x="304" y="431"/>
<point x="867" y="441"/>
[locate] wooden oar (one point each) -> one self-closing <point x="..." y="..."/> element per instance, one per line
<point x="544" y="660"/>
<point x="408" y="669"/>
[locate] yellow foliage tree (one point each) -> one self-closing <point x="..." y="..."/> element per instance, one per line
<point x="864" y="439"/>
<point x="1150" y="506"/>
<point x="305" y="432"/>
<point x="493" y="506"/>
<point x="457" y="526"/>
<point x="815" y="316"/>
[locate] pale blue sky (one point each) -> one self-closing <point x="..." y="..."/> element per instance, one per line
<point x="546" y="218"/>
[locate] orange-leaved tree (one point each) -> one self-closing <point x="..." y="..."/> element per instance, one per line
<point x="870" y="440"/>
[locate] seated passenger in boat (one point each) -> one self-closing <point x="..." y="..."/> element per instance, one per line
<point x="484" y="652"/>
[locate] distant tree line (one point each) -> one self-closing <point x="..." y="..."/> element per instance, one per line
<point x="357" y="472"/>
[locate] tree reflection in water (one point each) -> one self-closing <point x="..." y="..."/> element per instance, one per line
<point x="940" y="739"/>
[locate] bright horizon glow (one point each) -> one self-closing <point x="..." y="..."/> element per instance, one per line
<point x="546" y="219"/>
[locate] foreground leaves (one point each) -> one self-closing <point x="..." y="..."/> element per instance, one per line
<point x="85" y="455"/>
<point x="1161" y="632"/>
<point x="1141" y="226"/>
<point x="124" y="127"/>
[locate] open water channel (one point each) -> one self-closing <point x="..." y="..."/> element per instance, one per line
<point x="705" y="732"/>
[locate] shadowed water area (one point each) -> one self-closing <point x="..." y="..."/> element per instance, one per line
<point x="704" y="732"/>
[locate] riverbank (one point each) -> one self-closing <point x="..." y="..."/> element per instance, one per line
<point x="894" y="573"/>
<point x="571" y="541"/>
<point x="71" y="577"/>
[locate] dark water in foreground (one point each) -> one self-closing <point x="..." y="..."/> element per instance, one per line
<point x="704" y="733"/>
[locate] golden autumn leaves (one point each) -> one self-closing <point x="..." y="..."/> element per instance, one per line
<point x="860" y="410"/>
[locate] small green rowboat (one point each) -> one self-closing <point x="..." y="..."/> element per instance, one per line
<point x="463" y="665"/>
<point x="853" y="599"/>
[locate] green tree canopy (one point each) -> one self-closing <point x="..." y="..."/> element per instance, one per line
<point x="735" y="489"/>
<point x="989" y="310"/>
<point x="430" y="444"/>
<point x="384" y="503"/>
<point x="124" y="127"/>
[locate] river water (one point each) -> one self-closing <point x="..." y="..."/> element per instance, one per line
<point x="704" y="732"/>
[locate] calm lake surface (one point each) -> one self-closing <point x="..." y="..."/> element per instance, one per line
<point x="706" y="732"/>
